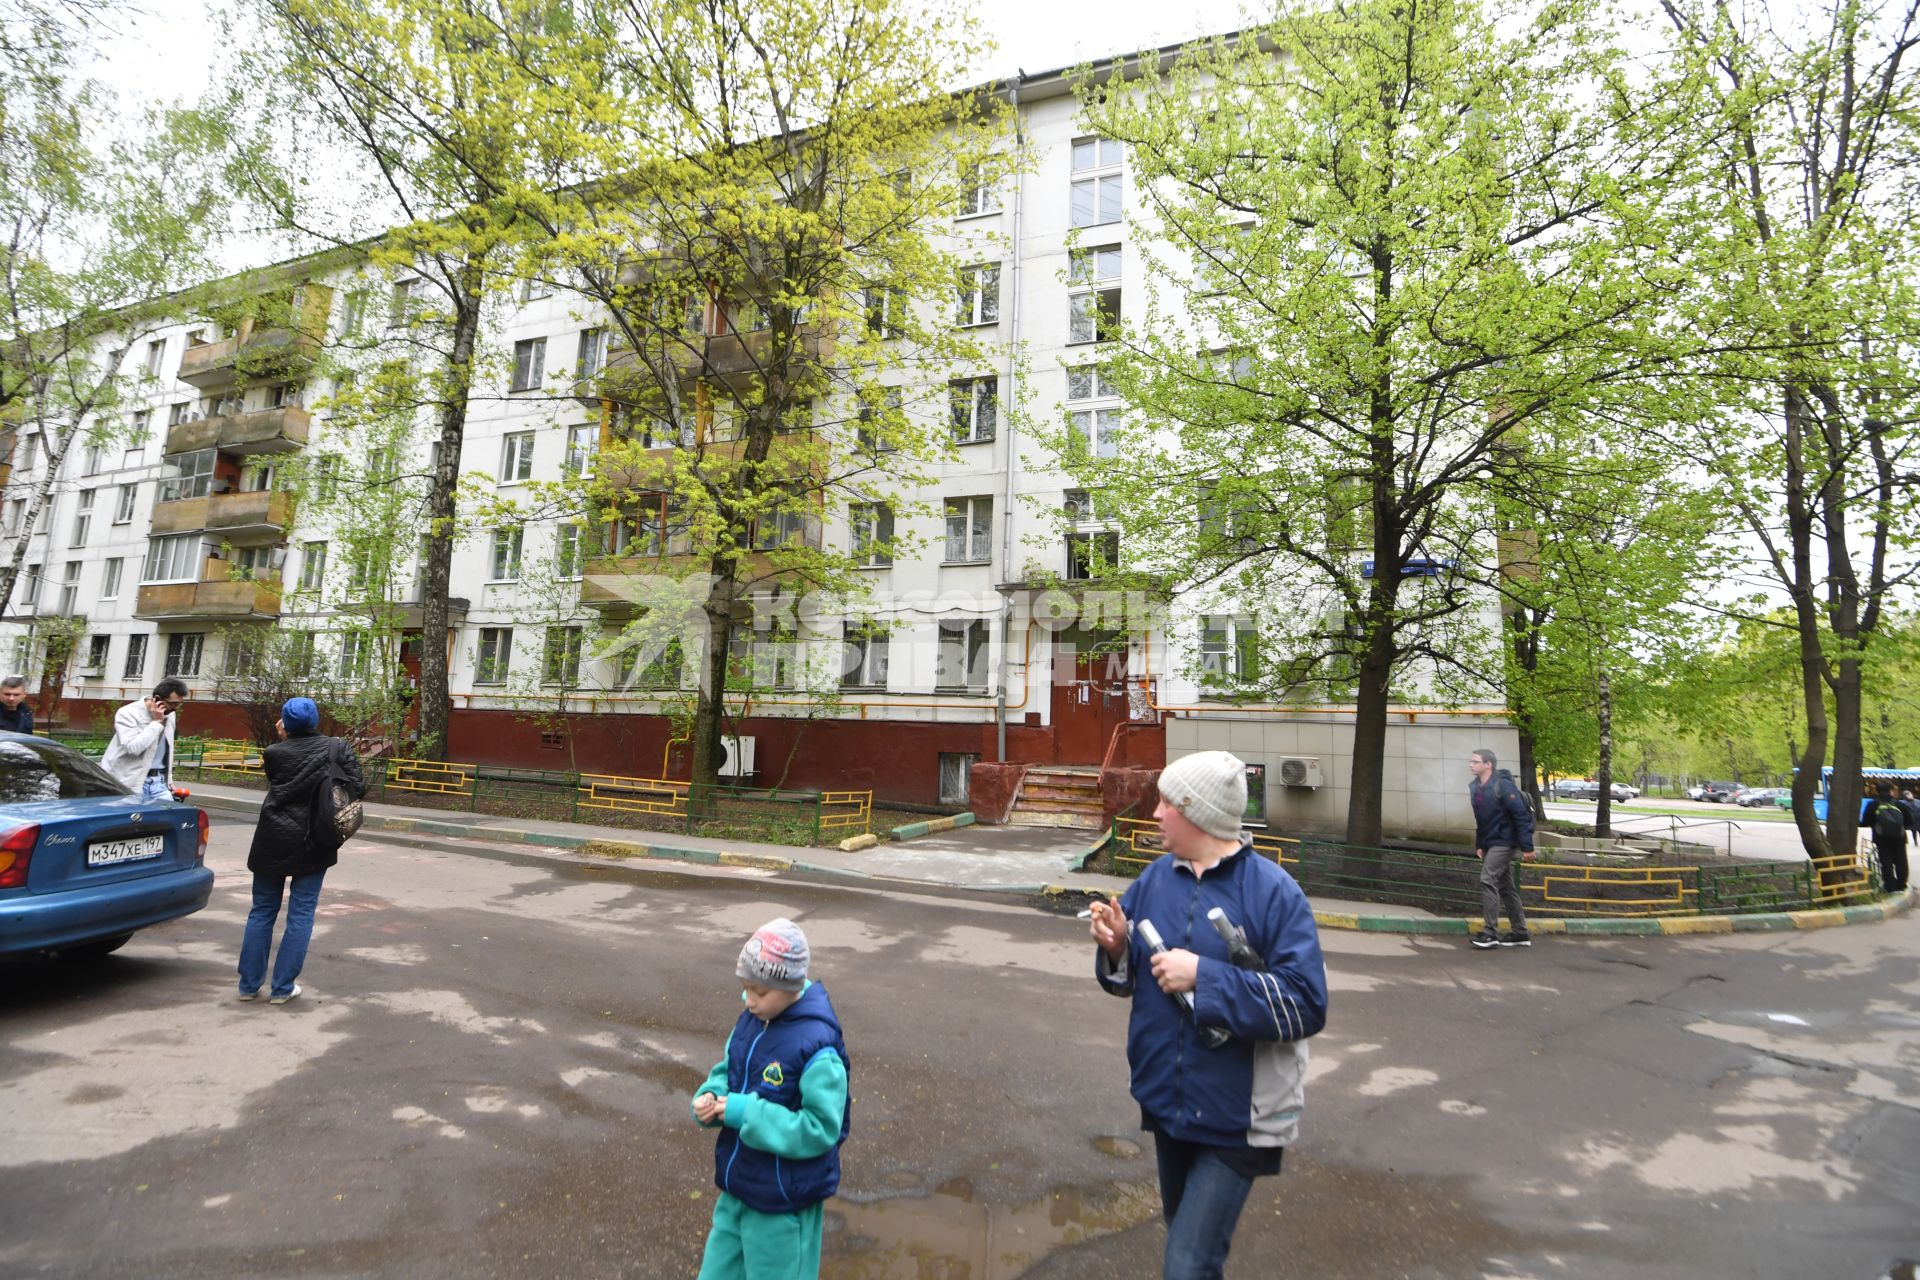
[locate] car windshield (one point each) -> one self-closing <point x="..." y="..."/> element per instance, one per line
<point x="36" y="769"/>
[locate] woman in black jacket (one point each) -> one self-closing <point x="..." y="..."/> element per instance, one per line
<point x="281" y="850"/>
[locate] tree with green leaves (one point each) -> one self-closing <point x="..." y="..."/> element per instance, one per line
<point x="1808" y="222"/>
<point x="763" y="237"/>
<point x="1378" y="239"/>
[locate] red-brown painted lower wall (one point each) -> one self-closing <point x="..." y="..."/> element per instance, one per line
<point x="1121" y="788"/>
<point x="898" y="760"/>
<point x="991" y="791"/>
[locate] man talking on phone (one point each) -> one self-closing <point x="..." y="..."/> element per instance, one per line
<point x="141" y="753"/>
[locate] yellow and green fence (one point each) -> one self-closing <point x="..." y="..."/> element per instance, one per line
<point x="1449" y="884"/>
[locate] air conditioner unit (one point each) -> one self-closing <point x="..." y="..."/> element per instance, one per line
<point x="739" y="761"/>
<point x="1300" y="771"/>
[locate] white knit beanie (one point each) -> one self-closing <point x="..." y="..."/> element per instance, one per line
<point x="1210" y="788"/>
<point x="775" y="956"/>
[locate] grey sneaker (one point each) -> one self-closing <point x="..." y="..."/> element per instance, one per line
<point x="291" y="995"/>
<point x="1516" y="938"/>
<point x="245" y="996"/>
<point x="1486" y="940"/>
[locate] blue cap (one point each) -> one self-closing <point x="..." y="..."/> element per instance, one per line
<point x="300" y="715"/>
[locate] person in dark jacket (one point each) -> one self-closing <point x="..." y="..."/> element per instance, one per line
<point x="1502" y="827"/>
<point x="778" y="1097"/>
<point x="1887" y="821"/>
<point x="15" y="714"/>
<point x="1216" y="1046"/>
<point x="282" y="851"/>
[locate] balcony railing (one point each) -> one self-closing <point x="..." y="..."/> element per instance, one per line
<point x="262" y="350"/>
<point x="235" y="514"/>
<point x="279" y="430"/>
<point x="213" y="601"/>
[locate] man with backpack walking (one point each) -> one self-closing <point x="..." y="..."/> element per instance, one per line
<point x="298" y="837"/>
<point x="1888" y="820"/>
<point x="1502" y="827"/>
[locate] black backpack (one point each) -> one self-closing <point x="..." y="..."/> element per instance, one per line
<point x="1889" y="823"/>
<point x="335" y="813"/>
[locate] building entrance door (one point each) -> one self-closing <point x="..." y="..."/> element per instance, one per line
<point x="1089" y="693"/>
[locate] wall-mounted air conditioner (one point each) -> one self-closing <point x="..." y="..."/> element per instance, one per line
<point x="739" y="761"/>
<point x="1300" y="771"/>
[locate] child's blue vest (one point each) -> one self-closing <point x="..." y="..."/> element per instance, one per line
<point x="768" y="1059"/>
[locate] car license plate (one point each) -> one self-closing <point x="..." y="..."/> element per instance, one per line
<point x="107" y="852"/>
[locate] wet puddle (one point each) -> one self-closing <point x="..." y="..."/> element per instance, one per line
<point x="951" y="1235"/>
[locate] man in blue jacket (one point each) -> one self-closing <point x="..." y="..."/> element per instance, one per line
<point x="1502" y="827"/>
<point x="1217" y="1049"/>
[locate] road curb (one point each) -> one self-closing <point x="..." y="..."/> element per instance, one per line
<point x="931" y="826"/>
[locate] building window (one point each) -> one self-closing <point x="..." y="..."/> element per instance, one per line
<point x="660" y="671"/>
<point x="863" y="658"/>
<point x="173" y="559"/>
<point x="82" y="518"/>
<point x="977" y="195"/>
<point x="1097" y="430"/>
<point x="183" y="652"/>
<point x="156" y="357"/>
<point x="583" y="441"/>
<point x="976" y="409"/>
<point x="496" y="655"/>
<point x="180" y="414"/>
<point x="401" y="305"/>
<point x="356" y="656"/>
<point x="969" y="530"/>
<point x="504" y="565"/>
<point x="1089" y="553"/>
<point x="772" y="658"/>
<point x="138" y="434"/>
<point x="876" y="424"/>
<point x="136" y="667"/>
<point x="979" y="295"/>
<point x="529" y="363"/>
<point x="252" y="564"/>
<point x="186" y="475"/>
<point x="956" y="777"/>
<point x="97" y="650"/>
<point x="784" y="527"/>
<point x="961" y="662"/>
<point x="30" y="593"/>
<point x="313" y="566"/>
<point x="886" y="311"/>
<point x="1256" y="815"/>
<point x="591" y="356"/>
<point x="286" y="395"/>
<point x="516" y="457"/>
<point x="536" y="289"/>
<point x="90" y="465"/>
<point x="300" y="652"/>
<point x="560" y="660"/>
<point x="872" y="525"/>
<point x="1229" y="651"/>
<point x="70" y="589"/>
<point x="567" y="559"/>
<point x="1093" y="306"/>
<point x="123" y="509"/>
<point x="353" y="313"/>
<point x="110" y="579"/>
<point x="1096" y="181"/>
<point x="326" y="477"/>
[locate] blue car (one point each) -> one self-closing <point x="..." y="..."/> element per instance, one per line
<point x="83" y="863"/>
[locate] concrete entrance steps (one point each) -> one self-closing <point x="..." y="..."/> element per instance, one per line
<point x="1059" y="796"/>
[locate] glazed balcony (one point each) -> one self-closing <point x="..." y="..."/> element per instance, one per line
<point x="254" y="516"/>
<point x="213" y="599"/>
<point x="279" y="430"/>
<point x="272" y="348"/>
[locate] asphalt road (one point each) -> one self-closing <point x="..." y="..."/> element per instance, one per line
<point x="489" y="1074"/>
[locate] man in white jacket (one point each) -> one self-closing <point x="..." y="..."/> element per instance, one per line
<point x="141" y="753"/>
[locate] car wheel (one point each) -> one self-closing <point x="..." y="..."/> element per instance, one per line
<point x="95" y="950"/>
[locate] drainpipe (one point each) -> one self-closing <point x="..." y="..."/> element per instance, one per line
<point x="1010" y="432"/>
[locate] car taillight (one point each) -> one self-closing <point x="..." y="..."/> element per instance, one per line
<point x="200" y="854"/>
<point x="16" y="851"/>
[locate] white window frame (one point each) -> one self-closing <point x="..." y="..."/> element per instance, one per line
<point x="82" y="517"/>
<point x="135" y="667"/>
<point x="969" y="530"/>
<point x="1098" y="187"/>
<point x="583" y="441"/>
<point x="1224" y="641"/>
<point x="185" y="651"/>
<point x="70" y="589"/>
<point x="516" y="457"/>
<point x="569" y="553"/>
<point x="529" y="364"/>
<point x="313" y="566"/>
<point x="110" y="578"/>
<point x="969" y="642"/>
<point x="975" y="409"/>
<point x="590" y="354"/>
<point x="979" y="296"/>
<point x="561" y="665"/>
<point x="1097" y="429"/>
<point x="864" y="657"/>
<point x="503" y="559"/>
<point x="977" y="197"/>
<point x="156" y="356"/>
<point x="172" y="557"/>
<point x="192" y="477"/>
<point x="493" y="655"/>
<point x="1095" y="289"/>
<point x="871" y="526"/>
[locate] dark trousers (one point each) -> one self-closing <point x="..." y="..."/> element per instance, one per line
<point x="1893" y="864"/>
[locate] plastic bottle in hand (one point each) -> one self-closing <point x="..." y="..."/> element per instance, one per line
<point x="1211" y="1037"/>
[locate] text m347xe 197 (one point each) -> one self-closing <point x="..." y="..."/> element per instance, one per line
<point x="84" y="863"/>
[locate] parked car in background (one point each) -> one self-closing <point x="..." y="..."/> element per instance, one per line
<point x="1698" y="791"/>
<point x="1576" y="789"/>
<point x="1624" y="791"/>
<point x="1719" y="792"/>
<point x="1761" y="797"/>
<point x="84" y="863"/>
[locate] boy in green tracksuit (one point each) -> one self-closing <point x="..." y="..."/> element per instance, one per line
<point x="779" y="1099"/>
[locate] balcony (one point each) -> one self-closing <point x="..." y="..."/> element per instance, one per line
<point x="250" y="516"/>
<point x="262" y="431"/>
<point x="264" y="349"/>
<point x="221" y="601"/>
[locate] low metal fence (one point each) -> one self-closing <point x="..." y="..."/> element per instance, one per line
<point x="846" y="813"/>
<point x="1450" y="883"/>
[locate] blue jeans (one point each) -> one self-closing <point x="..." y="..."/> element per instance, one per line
<point x="154" y="789"/>
<point x="293" y="942"/>
<point x="1201" y="1196"/>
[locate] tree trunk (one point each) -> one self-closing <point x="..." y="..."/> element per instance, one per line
<point x="1843" y="796"/>
<point x="1806" y="783"/>
<point x="709" y="709"/>
<point x="1603" y="776"/>
<point x="1525" y="641"/>
<point x="55" y="446"/>
<point x="435" y="701"/>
